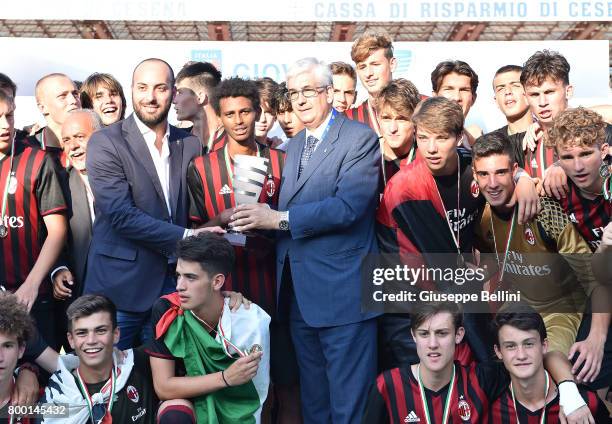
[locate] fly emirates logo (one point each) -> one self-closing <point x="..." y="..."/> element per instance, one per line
<point x="516" y="264"/>
<point x="12" y="221"/>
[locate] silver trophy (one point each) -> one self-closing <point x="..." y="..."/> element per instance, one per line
<point x="250" y="173"/>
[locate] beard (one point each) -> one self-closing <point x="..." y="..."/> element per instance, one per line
<point x="152" y="120"/>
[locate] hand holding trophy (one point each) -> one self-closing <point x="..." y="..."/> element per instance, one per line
<point x="249" y="176"/>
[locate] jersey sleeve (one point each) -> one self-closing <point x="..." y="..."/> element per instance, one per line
<point x="49" y="193"/>
<point x="197" y="211"/>
<point x="386" y="227"/>
<point x="492" y="377"/>
<point x="375" y="410"/>
<point x="35" y="346"/>
<point x="141" y="361"/>
<point x="157" y="347"/>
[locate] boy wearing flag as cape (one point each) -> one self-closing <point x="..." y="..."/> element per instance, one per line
<point x="205" y="358"/>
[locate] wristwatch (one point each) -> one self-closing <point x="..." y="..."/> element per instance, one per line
<point x="283" y="224"/>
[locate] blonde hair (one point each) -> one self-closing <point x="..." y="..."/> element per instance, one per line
<point x="369" y="42"/>
<point x="439" y="115"/>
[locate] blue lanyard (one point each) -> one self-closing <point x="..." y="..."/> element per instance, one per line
<point x="329" y="124"/>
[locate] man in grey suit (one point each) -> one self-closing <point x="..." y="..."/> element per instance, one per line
<point x="68" y="277"/>
<point x="76" y="131"/>
<point x="326" y="222"/>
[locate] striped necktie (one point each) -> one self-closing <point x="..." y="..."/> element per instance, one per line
<point x="311" y="143"/>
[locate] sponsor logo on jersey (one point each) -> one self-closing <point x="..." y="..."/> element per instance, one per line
<point x="225" y="189"/>
<point x="412" y="418"/>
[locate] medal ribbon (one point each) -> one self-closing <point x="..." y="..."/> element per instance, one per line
<point x="446" y="401"/>
<point x="373" y="118"/>
<point x="456" y="238"/>
<point x="12" y="416"/>
<point x="543" y="417"/>
<point x="6" y="185"/>
<point x="508" y="240"/>
<point x="226" y="342"/>
<point x="83" y="387"/>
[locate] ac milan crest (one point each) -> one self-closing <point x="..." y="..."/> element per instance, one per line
<point x="270" y="187"/>
<point x="529" y="236"/>
<point x="464" y="409"/>
<point x="132" y="394"/>
<point x="474" y="189"/>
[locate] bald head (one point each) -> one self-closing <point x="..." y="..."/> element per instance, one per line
<point x="56" y="96"/>
<point x="153" y="65"/>
<point x="152" y="92"/>
<point x="76" y="131"/>
<point x="43" y="83"/>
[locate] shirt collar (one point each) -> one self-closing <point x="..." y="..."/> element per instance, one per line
<point x="318" y="132"/>
<point x="148" y="132"/>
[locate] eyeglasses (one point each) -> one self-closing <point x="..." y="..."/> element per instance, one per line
<point x="307" y="92"/>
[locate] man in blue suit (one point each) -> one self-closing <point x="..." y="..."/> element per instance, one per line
<point x="137" y="169"/>
<point x="325" y="220"/>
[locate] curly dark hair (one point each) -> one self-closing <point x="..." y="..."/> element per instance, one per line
<point x="14" y="318"/>
<point x="577" y="127"/>
<point x="235" y="87"/>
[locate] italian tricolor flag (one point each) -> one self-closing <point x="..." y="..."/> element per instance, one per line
<point x="202" y="354"/>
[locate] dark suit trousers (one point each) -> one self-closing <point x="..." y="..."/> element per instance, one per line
<point x="337" y="366"/>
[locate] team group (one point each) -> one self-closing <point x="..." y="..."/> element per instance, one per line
<point x="114" y="238"/>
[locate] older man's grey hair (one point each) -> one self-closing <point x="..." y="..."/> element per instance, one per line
<point x="96" y="121"/>
<point x="321" y="71"/>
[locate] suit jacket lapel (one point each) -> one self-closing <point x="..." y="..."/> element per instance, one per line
<point x="80" y="203"/>
<point x="176" y="161"/>
<point x="325" y="147"/>
<point x="138" y="145"/>
<point x="294" y="151"/>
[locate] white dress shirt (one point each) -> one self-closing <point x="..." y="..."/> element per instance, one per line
<point x="160" y="160"/>
<point x="90" y="198"/>
<point x="318" y="132"/>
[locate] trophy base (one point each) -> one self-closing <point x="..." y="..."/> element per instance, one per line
<point x="236" y="238"/>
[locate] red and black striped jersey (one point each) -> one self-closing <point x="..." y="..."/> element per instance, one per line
<point x="396" y="396"/>
<point x="391" y="167"/>
<point x="211" y="192"/>
<point x="219" y="142"/>
<point x="362" y="114"/>
<point x="33" y="192"/>
<point x="539" y="160"/>
<point x="502" y="410"/>
<point x="38" y="141"/>
<point x="589" y="216"/>
<point x="414" y="202"/>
